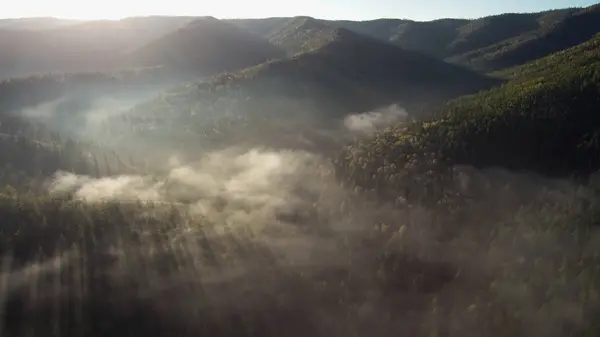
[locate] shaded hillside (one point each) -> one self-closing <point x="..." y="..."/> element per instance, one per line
<point x="206" y="46"/>
<point x="491" y="42"/>
<point x="547" y="123"/>
<point x="348" y="74"/>
<point x="581" y="56"/>
<point x="488" y="43"/>
<point x="559" y="31"/>
<point x="431" y="37"/>
<point x="446" y="37"/>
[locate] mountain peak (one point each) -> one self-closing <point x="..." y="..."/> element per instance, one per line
<point x="206" y="46"/>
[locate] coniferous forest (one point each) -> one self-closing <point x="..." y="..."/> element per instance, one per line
<point x="189" y="176"/>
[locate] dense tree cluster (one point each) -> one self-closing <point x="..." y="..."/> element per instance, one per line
<point x="546" y="121"/>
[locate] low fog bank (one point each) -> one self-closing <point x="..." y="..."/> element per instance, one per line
<point x="501" y="253"/>
<point x="225" y="186"/>
<point x="271" y="244"/>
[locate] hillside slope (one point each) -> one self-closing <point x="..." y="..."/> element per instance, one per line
<point x="206" y="46"/>
<point x="557" y="31"/>
<point x="580" y="56"/>
<point x="343" y="59"/>
<point x="546" y="122"/>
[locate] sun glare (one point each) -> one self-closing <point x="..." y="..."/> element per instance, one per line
<point x="87" y="10"/>
<point x="115" y="9"/>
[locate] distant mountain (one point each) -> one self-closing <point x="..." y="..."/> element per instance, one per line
<point x="36" y="23"/>
<point x="431" y="38"/>
<point x="137" y="30"/>
<point x="189" y="43"/>
<point x="206" y="46"/>
<point x="76" y="46"/>
<point x="448" y="37"/>
<point x="344" y="73"/>
<point x="556" y="31"/>
<point x="486" y="44"/>
<point x="581" y="56"/>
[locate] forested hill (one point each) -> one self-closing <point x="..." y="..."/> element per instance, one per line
<point x="546" y="120"/>
<point x="341" y="73"/>
<point x="354" y="71"/>
<point x="581" y="56"/>
<point x="553" y="35"/>
<point x="486" y="44"/>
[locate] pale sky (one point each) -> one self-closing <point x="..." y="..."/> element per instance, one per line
<point x="327" y="9"/>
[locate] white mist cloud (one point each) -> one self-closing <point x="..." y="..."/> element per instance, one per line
<point x="42" y="111"/>
<point x="369" y="122"/>
<point x="229" y="186"/>
<point x="122" y="187"/>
